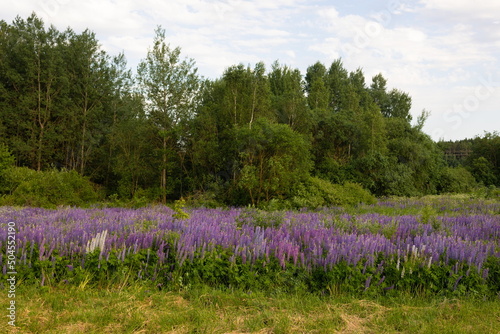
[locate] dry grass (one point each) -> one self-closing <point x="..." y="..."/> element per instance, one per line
<point x="211" y="311"/>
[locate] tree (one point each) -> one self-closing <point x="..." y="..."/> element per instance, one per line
<point x="317" y="93"/>
<point x="394" y="103"/>
<point x="483" y="171"/>
<point x="32" y="85"/>
<point x="399" y="105"/>
<point x="88" y="106"/>
<point x="484" y="161"/>
<point x="378" y="91"/>
<point x="247" y="95"/>
<point x="342" y="95"/>
<point x="273" y="160"/>
<point x="131" y="148"/>
<point x="170" y="87"/>
<point x="289" y="102"/>
<point x="6" y="161"/>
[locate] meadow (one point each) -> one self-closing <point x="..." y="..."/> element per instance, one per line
<point x="410" y="265"/>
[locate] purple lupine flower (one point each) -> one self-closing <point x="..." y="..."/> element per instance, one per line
<point x="367" y="282"/>
<point x="456" y="283"/>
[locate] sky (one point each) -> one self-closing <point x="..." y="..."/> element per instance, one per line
<point x="444" y="53"/>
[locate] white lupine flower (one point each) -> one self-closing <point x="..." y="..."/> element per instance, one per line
<point x="97" y="241"/>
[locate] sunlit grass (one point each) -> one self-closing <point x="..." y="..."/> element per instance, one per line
<point x="141" y="309"/>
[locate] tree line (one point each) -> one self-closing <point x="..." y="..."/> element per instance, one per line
<point x="252" y="136"/>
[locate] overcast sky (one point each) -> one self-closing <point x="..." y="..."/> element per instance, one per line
<point x="444" y="53"/>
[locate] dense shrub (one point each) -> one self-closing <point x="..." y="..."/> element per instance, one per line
<point x="26" y="187"/>
<point x="319" y="193"/>
<point x="456" y="180"/>
<point x="490" y="192"/>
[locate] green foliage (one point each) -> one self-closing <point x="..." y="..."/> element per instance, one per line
<point x="6" y="158"/>
<point x="483" y="171"/>
<point x="492" y="192"/>
<point x="6" y="163"/>
<point x="428" y="215"/>
<point x="316" y="193"/>
<point x="15" y="176"/>
<point x="48" y="188"/>
<point x="252" y="136"/>
<point x="179" y="209"/>
<point x="456" y="180"/>
<point x="206" y="199"/>
<point x="274" y="159"/>
<point x="479" y="156"/>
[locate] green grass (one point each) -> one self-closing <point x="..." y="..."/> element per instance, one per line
<point x="141" y="309"/>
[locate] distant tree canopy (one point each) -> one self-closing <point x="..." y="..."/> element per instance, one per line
<point x="251" y="136"/>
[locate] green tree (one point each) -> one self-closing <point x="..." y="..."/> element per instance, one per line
<point x="6" y="161"/>
<point x="483" y="171"/>
<point x="289" y="102"/>
<point x="317" y="92"/>
<point x="394" y="103"/>
<point x="32" y="85"/>
<point x="456" y="180"/>
<point x="212" y="150"/>
<point x="247" y="94"/>
<point x="400" y="105"/>
<point x="131" y="147"/>
<point x="274" y="159"/>
<point x="170" y="87"/>
<point x="486" y="147"/>
<point x="88" y="110"/>
<point x="415" y="156"/>
<point x="342" y="95"/>
<point x="378" y="91"/>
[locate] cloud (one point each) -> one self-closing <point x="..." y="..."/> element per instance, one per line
<point x="483" y="9"/>
<point x="437" y="62"/>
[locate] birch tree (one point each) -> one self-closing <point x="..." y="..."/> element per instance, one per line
<point x="169" y="85"/>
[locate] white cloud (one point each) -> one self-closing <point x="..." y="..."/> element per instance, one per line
<point x="471" y="9"/>
<point x="438" y="66"/>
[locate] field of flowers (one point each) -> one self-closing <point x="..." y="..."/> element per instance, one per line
<point x="423" y="246"/>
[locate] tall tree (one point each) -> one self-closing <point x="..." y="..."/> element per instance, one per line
<point x="378" y="91"/>
<point x="289" y="102"/>
<point x="394" y="103"/>
<point x="91" y="86"/>
<point x="32" y="82"/>
<point x="170" y="87"/>
<point x="317" y="92"/>
<point x="247" y="94"/>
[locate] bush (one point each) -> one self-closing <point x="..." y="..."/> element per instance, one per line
<point x="14" y="176"/>
<point x="490" y="192"/>
<point x="48" y="189"/>
<point x="207" y="199"/>
<point x="456" y="180"/>
<point x="320" y="193"/>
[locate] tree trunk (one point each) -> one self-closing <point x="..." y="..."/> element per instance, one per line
<point x="84" y="133"/>
<point x="163" y="182"/>
<point x="253" y="106"/>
